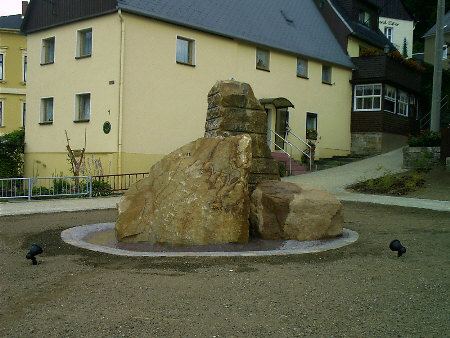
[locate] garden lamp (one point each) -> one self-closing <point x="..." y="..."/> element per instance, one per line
<point x="397" y="246"/>
<point x="34" y="251"/>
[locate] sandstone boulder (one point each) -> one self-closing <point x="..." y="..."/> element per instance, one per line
<point x="196" y="195"/>
<point x="233" y="110"/>
<point x="283" y="210"/>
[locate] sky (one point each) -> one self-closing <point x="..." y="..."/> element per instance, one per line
<point x="10" y="7"/>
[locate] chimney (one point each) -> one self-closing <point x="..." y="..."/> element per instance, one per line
<point x="24" y="7"/>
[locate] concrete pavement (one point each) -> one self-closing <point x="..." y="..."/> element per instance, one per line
<point x="333" y="180"/>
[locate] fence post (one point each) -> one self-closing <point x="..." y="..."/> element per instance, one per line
<point x="30" y="189"/>
<point x="90" y="186"/>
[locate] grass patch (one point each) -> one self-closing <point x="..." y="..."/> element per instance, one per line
<point x="392" y="184"/>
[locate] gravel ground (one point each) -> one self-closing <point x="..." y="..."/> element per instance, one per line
<point x="358" y="290"/>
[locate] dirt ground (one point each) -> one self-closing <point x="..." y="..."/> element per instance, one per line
<point x="359" y="290"/>
<point x="436" y="187"/>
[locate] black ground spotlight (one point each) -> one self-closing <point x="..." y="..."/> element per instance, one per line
<point x="34" y="251"/>
<point x="397" y="246"/>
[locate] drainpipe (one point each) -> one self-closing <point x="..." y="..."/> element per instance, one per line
<point x="120" y="127"/>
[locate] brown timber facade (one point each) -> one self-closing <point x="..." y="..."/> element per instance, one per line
<point x="385" y="105"/>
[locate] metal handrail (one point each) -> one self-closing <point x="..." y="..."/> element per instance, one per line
<point x="289" y="131"/>
<point x="427" y="118"/>
<point x="293" y="146"/>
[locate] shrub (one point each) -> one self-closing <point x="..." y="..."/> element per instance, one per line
<point x="11" y="154"/>
<point x="101" y="188"/>
<point x="426" y="138"/>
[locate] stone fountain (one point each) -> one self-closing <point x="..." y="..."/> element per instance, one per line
<point x="225" y="186"/>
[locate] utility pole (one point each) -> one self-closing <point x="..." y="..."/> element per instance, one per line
<point x="437" y="74"/>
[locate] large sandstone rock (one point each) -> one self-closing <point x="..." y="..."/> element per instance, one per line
<point x="283" y="210"/>
<point x="196" y="195"/>
<point x="234" y="110"/>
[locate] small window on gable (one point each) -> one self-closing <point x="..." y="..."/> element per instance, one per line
<point x="365" y="18"/>
<point x="83" y="107"/>
<point x="389" y="32"/>
<point x="47" y="110"/>
<point x="185" y="51"/>
<point x="444" y="52"/>
<point x="84" y="43"/>
<point x="48" y="51"/>
<point x="326" y="74"/>
<point x="302" y="67"/>
<point x="262" y="59"/>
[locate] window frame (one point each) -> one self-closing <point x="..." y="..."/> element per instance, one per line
<point x="444" y="51"/>
<point x="390" y="35"/>
<point x="81" y="43"/>
<point x="77" y="116"/>
<point x="43" y="111"/>
<point x="2" y="113"/>
<point x="315" y="117"/>
<point x="402" y="103"/>
<point x="390" y="98"/>
<point x="191" y="51"/>
<point x="263" y="67"/>
<point x="2" y="66"/>
<point x="325" y="66"/>
<point x="306" y="76"/>
<point x="24" y="112"/>
<point x="45" y="60"/>
<point x="367" y="20"/>
<point x="24" y="67"/>
<point x="373" y="96"/>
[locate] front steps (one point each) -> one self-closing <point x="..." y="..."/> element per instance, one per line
<point x="335" y="161"/>
<point x="297" y="169"/>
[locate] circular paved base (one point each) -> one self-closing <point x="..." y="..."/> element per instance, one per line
<point x="90" y="237"/>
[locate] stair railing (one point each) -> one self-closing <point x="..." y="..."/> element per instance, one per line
<point x="427" y="118"/>
<point x="292" y="146"/>
<point x="309" y="154"/>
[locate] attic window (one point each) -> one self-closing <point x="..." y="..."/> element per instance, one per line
<point x="286" y="17"/>
<point x="365" y="18"/>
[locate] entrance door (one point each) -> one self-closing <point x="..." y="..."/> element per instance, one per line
<point x="281" y="123"/>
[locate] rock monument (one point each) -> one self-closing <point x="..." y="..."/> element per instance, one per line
<point x="283" y="210"/>
<point x="195" y="195"/>
<point x="200" y="193"/>
<point x="234" y="110"/>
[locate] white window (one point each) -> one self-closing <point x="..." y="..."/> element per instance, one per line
<point x="24" y="113"/>
<point x="389" y="32"/>
<point x="1" y="113"/>
<point x="47" y="110"/>
<point x="83" y="107"/>
<point x="262" y="59"/>
<point x="48" y="51"/>
<point x="444" y="52"/>
<point x="367" y="97"/>
<point x="2" y="66"/>
<point x="390" y="98"/>
<point x="302" y="67"/>
<point x="402" y="103"/>
<point x="311" y="126"/>
<point x="326" y="74"/>
<point x="25" y="66"/>
<point x="185" y="51"/>
<point x="84" y="43"/>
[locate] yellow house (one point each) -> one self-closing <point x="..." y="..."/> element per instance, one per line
<point x="129" y="79"/>
<point x="13" y="69"/>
